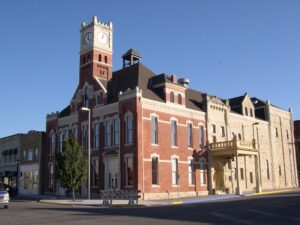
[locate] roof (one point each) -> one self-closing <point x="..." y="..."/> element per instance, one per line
<point x="138" y="75"/>
<point x="131" y="52"/>
<point x="237" y="101"/>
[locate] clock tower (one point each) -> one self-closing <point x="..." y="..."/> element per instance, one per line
<point x="96" y="50"/>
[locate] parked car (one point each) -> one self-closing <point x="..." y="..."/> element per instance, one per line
<point x="4" y="196"/>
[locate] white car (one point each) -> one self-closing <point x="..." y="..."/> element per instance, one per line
<point x="4" y="196"/>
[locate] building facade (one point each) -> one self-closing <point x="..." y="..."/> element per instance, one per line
<point x="31" y="163"/>
<point x="153" y="133"/>
<point x="21" y="162"/>
<point x="297" y="144"/>
<point x="10" y="148"/>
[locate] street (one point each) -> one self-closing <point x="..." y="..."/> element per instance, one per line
<point x="281" y="209"/>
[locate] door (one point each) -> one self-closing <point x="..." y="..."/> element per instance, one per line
<point x="112" y="179"/>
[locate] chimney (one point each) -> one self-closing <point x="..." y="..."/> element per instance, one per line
<point x="174" y="79"/>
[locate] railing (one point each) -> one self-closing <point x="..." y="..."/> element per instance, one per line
<point x="234" y="144"/>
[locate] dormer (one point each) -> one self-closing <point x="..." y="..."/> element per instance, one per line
<point x="243" y="105"/>
<point x="171" y="89"/>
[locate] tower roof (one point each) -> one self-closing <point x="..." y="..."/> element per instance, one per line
<point x="131" y="52"/>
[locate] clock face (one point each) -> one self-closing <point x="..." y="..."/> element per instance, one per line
<point x="102" y="37"/>
<point x="87" y="38"/>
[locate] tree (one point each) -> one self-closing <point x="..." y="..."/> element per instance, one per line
<point x="71" y="165"/>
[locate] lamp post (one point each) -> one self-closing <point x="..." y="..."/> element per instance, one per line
<point x="89" y="151"/>
<point x="254" y="124"/>
<point x="17" y="180"/>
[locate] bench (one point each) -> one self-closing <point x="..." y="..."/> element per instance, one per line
<point x="109" y="195"/>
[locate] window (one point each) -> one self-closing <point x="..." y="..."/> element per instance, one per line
<point x="24" y="155"/>
<point x="105" y="59"/>
<point x="214" y="139"/>
<point x="191" y="174"/>
<point x="129" y="171"/>
<point x="202" y="173"/>
<point x="251" y="177"/>
<point x="116" y="132"/>
<point x="240" y="136"/>
<point x="174" y="133"/>
<point x="242" y="173"/>
<point x="60" y="143"/>
<point x="276" y="131"/>
<point x="155" y="171"/>
<point x="268" y="171"/>
<point x="246" y="111"/>
<point x="96" y="136"/>
<point x="95" y="177"/>
<point x="223" y="131"/>
<point x="201" y="135"/>
<point x="214" y="128"/>
<point x="36" y="154"/>
<point x="175" y="175"/>
<point x="154" y="132"/>
<point x="251" y="112"/>
<point x="85" y="99"/>
<point x="172" y="97"/>
<point x="279" y="170"/>
<point x="84" y="137"/>
<point x="75" y="132"/>
<point x="107" y="134"/>
<point x="179" y="99"/>
<point x="287" y="134"/>
<point x="52" y="143"/>
<point x="99" y="58"/>
<point x="129" y="129"/>
<point x="190" y="135"/>
<point x="51" y="175"/>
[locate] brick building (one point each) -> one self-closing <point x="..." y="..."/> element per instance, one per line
<point x="297" y="143"/>
<point x="147" y="131"/>
<point x="153" y="133"/>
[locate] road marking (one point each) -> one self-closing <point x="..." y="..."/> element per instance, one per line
<point x="230" y="218"/>
<point x="260" y="212"/>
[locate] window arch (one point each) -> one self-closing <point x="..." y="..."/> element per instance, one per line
<point x="172" y="97"/>
<point x="179" y="99"/>
<point x="240" y="136"/>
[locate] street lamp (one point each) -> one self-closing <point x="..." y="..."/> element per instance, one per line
<point x="89" y="150"/>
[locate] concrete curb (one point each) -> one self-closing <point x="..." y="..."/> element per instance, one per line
<point x="274" y="192"/>
<point x="206" y="199"/>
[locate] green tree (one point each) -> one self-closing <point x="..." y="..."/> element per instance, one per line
<point x="71" y="165"/>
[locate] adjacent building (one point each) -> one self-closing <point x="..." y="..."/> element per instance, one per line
<point x="31" y="163"/>
<point x="10" y="148"/>
<point x="153" y="133"/>
<point x="21" y="162"/>
<point x="297" y="144"/>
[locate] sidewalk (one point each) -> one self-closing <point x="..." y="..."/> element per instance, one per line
<point x="119" y="203"/>
<point x="116" y="203"/>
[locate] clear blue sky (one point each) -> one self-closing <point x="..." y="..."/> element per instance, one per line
<point x="225" y="48"/>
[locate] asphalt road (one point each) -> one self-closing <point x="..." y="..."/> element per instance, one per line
<point x="283" y="209"/>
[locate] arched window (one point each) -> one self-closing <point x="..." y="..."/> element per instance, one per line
<point x="99" y="58"/>
<point x="85" y="99"/>
<point x="240" y="137"/>
<point x="83" y="60"/>
<point x="251" y="112"/>
<point x="105" y="59"/>
<point x="172" y="97"/>
<point x="179" y="99"/>
<point x="246" y="111"/>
